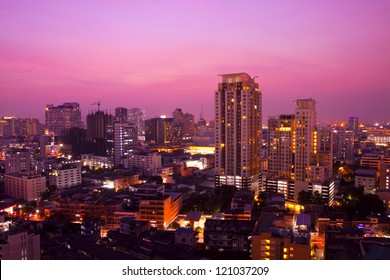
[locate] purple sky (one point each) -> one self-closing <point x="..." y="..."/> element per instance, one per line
<point x="159" y="55"/>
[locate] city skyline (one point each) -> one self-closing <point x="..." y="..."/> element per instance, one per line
<point x="159" y="56"/>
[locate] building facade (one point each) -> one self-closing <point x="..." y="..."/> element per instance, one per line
<point x="62" y="117"/>
<point x="24" y="186"/>
<point x="65" y="177"/>
<point x="238" y="118"/>
<point x="147" y="164"/>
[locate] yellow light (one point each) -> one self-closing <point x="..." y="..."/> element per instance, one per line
<point x="267" y="247"/>
<point x="232" y="100"/>
<point x="285" y="250"/>
<point x="284" y="256"/>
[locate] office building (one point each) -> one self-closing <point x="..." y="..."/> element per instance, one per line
<point x="62" y="117"/>
<point x="121" y="140"/>
<point x="238" y="110"/>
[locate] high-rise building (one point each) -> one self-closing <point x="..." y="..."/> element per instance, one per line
<point x="306" y="118"/>
<point x="238" y="126"/>
<point x="185" y="122"/>
<point x="159" y="130"/>
<point x="353" y="125"/>
<point x="121" y="114"/>
<point x="137" y="117"/>
<point x="96" y="131"/>
<point x="281" y="146"/>
<point x="62" y="117"/>
<point x="321" y="166"/>
<point x="121" y="139"/>
<point x="343" y="144"/>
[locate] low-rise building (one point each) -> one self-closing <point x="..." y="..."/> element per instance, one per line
<point x="185" y="237"/>
<point x="65" y="177"/>
<point x="161" y="210"/>
<point x="17" y="243"/>
<point x="280" y="237"/>
<point x="366" y="179"/>
<point x="228" y="235"/>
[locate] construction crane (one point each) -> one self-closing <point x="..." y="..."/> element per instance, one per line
<point x="98" y="104"/>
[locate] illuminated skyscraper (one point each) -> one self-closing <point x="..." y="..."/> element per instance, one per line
<point x="60" y="118"/>
<point x="238" y="126"/>
<point x="306" y="136"/>
<point x="121" y="139"/>
<point x="137" y="117"/>
<point x="281" y="146"/>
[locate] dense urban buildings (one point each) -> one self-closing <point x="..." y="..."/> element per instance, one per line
<point x="238" y="126"/>
<point x="235" y="187"/>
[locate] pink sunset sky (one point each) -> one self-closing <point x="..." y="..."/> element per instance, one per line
<point x="159" y="55"/>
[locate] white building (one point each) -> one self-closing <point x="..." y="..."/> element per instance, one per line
<point x="92" y="161"/>
<point x="66" y="177"/>
<point x="147" y="164"/>
<point x="25" y="186"/>
<point x="366" y="179"/>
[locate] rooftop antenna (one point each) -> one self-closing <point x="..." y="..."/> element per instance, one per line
<point x="98" y="104"/>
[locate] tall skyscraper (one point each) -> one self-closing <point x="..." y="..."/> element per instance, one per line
<point x="137" y="117"/>
<point x="62" y="117"/>
<point x="183" y="124"/>
<point x="121" y="139"/>
<point x="353" y="125"/>
<point x="96" y="130"/>
<point x="238" y="109"/>
<point x="159" y="130"/>
<point x="306" y="136"/>
<point x="281" y="146"/>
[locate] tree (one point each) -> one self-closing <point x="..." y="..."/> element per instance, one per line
<point x="305" y="197"/>
<point x="356" y="203"/>
<point x="175" y="225"/>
